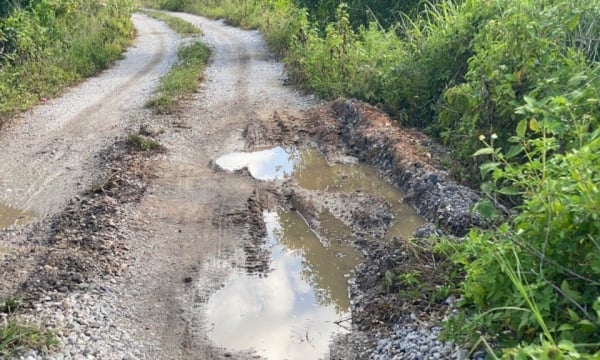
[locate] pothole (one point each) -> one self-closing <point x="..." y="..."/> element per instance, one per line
<point x="10" y="216"/>
<point x="293" y="310"/>
<point x="293" y="307"/>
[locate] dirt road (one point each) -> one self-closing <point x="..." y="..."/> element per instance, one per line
<point x="189" y="234"/>
<point x="124" y="249"/>
<point x="180" y="236"/>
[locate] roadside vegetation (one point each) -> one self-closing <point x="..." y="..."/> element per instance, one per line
<point x="46" y="45"/>
<point x="512" y="87"/>
<point x="182" y="80"/>
<point x="180" y="26"/>
<point x="16" y="336"/>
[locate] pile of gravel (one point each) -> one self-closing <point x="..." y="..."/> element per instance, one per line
<point x="408" y="343"/>
<point x="87" y="325"/>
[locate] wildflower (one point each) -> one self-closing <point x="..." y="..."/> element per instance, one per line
<point x="481" y="137"/>
<point x="494" y="136"/>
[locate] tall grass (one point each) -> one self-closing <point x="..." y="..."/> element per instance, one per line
<point x="50" y="45"/>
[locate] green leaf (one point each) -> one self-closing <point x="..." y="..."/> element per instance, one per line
<point x="533" y="125"/>
<point x="566" y="345"/>
<point x="573" y="315"/>
<point x="514" y="139"/>
<point x="488" y="167"/>
<point x="521" y="128"/>
<point x="573" y="23"/>
<point x="566" y="327"/>
<point x="485" y="208"/>
<point x="574" y="294"/>
<point x="484" y="151"/>
<point x="587" y="326"/>
<point x="530" y="101"/>
<point x="513" y="151"/>
<point x="509" y="191"/>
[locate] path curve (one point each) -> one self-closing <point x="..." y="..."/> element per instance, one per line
<point x="49" y="155"/>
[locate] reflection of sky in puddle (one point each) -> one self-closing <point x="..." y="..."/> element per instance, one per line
<point x="281" y="315"/>
<point x="11" y="216"/>
<point x="313" y="172"/>
<point x="270" y="164"/>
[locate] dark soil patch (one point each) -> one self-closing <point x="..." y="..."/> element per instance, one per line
<point x="85" y="240"/>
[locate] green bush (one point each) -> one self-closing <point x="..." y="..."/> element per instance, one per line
<point x="533" y="283"/>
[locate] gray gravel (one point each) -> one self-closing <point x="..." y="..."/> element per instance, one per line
<point x="408" y="343"/>
<point x="88" y="323"/>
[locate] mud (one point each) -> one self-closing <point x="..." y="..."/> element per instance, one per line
<point x="10" y="216"/>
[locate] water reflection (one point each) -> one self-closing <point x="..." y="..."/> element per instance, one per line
<point x="290" y="313"/>
<point x="313" y="172"/>
<point x="270" y="164"/>
<point x="12" y="217"/>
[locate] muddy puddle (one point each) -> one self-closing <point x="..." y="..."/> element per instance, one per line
<point x="313" y="172"/>
<point x="10" y="216"/>
<point x="292" y="311"/>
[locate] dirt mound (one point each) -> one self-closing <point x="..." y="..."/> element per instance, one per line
<point x="408" y="158"/>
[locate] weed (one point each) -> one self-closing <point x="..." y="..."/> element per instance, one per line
<point x="16" y="337"/>
<point x="141" y="142"/>
<point x="9" y="306"/>
<point x="182" y="80"/>
<point x="180" y="26"/>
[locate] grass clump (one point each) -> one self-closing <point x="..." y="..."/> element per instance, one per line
<point x="141" y="142"/>
<point x="180" y="26"/>
<point x="16" y="337"/>
<point x="183" y="79"/>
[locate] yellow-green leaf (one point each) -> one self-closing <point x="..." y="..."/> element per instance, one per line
<point x="533" y="125"/>
<point x="521" y="128"/>
<point x="484" y="151"/>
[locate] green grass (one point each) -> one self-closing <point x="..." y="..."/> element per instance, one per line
<point x="183" y="79"/>
<point x="16" y="337"/>
<point x="141" y="142"/>
<point x="53" y="45"/>
<point x="180" y="26"/>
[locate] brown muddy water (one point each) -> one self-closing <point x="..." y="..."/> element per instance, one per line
<point x="10" y="216"/>
<point x="293" y="310"/>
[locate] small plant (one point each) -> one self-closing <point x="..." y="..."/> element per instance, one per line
<point x="141" y="142"/>
<point x="16" y="337"/>
<point x="9" y="306"/>
<point x="180" y="26"/>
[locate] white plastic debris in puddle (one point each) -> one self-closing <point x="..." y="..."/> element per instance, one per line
<point x="270" y="164"/>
